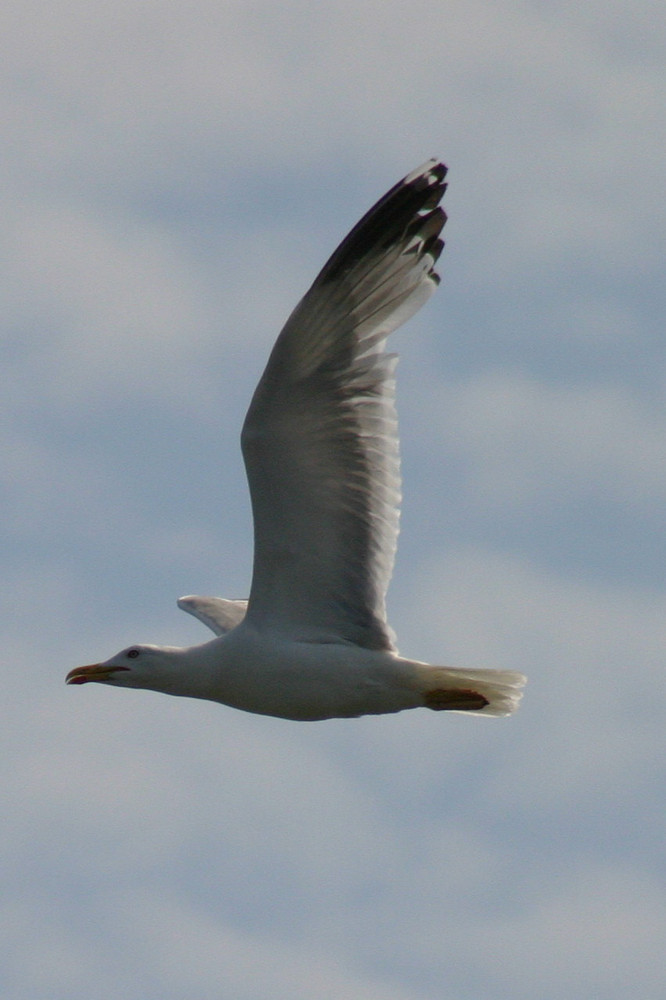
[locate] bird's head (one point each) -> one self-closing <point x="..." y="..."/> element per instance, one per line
<point x="136" y="666"/>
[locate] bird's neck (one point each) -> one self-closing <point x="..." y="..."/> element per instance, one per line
<point x="191" y="671"/>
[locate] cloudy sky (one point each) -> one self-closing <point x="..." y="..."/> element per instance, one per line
<point x="173" y="176"/>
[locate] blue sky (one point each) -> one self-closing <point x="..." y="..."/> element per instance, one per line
<point x="174" y="175"/>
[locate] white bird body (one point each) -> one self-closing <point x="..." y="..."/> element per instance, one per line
<point x="306" y="681"/>
<point x="293" y="680"/>
<point x="321" y="451"/>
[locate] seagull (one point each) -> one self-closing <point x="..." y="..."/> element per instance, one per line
<point x="320" y="446"/>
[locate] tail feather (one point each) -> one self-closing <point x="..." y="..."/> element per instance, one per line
<point x="476" y="692"/>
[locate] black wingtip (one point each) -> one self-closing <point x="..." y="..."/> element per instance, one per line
<point x="410" y="207"/>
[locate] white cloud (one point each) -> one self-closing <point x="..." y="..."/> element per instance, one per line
<point x="598" y="931"/>
<point x="110" y="302"/>
<point x="523" y="441"/>
<point x="556" y="107"/>
<point x="597" y="912"/>
<point x="593" y="654"/>
<point x="174" y="176"/>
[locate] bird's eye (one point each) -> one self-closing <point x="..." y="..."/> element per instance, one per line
<point x="132" y="654"/>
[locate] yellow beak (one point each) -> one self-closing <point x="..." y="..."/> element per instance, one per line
<point x="93" y="672"/>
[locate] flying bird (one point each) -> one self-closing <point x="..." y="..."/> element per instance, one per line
<point x="320" y="446"/>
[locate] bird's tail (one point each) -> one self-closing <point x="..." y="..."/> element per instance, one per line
<point x="478" y="692"/>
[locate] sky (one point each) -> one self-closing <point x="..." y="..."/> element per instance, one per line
<point x="173" y="177"/>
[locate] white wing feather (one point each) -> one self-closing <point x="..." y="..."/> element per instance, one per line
<point x="218" y="614"/>
<point x="320" y="439"/>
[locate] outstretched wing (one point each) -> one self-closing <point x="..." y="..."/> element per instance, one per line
<point x="320" y="439"/>
<point x="217" y="613"/>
